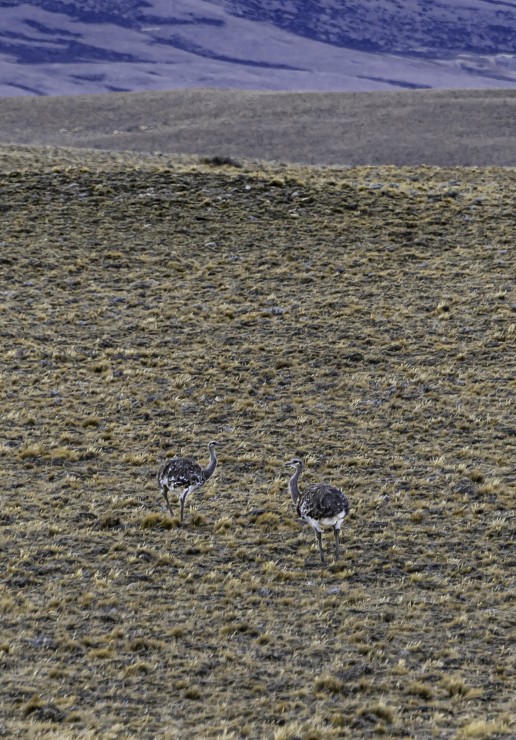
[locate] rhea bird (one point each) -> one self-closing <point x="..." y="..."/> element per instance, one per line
<point x="186" y="475"/>
<point x="322" y="505"/>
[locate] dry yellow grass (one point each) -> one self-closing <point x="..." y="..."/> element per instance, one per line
<point x="363" y="318"/>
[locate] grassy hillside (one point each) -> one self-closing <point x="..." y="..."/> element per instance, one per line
<point x="361" y="318"/>
<point x="435" y="127"/>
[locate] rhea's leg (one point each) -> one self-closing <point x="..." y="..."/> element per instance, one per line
<point x="184" y="496"/>
<point x="164" y="491"/>
<point x="319" y="542"/>
<point x="183" y="499"/>
<point x="337" y="548"/>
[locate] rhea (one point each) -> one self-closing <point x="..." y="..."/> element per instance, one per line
<point x="186" y="475"/>
<point x="322" y="505"/>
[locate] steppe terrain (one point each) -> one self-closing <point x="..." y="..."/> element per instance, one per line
<point x="433" y="127"/>
<point x="363" y="318"/>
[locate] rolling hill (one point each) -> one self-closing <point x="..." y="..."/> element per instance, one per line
<point x="54" y="48"/>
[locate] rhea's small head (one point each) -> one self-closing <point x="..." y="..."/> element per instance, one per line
<point x="296" y="462"/>
<point x="213" y="443"/>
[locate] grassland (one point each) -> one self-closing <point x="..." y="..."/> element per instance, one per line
<point x="362" y="318"/>
<point x="408" y="127"/>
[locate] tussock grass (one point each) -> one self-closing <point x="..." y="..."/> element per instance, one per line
<point x="360" y="318"/>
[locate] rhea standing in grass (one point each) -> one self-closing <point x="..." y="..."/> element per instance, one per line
<point x="322" y="505"/>
<point x="186" y="475"/>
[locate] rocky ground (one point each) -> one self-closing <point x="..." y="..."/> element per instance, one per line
<point x="361" y="318"/>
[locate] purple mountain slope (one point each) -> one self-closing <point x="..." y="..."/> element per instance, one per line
<point x="59" y="47"/>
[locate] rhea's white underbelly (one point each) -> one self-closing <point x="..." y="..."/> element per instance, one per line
<point x="326" y="523"/>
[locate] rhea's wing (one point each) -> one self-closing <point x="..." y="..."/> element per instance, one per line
<point x="323" y="501"/>
<point x="181" y="472"/>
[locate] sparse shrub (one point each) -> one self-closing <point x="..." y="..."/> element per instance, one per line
<point x="221" y="161"/>
<point x="483" y="730"/>
<point x="292" y="731"/>
<point x="159" y="521"/>
<point x="222" y="524"/>
<point x="420" y="689"/>
<point x="177" y="631"/>
<point x="380" y="710"/>
<point x="34" y="703"/>
<point x="268" y="520"/>
<point x="111" y="520"/>
<point x="338" y="719"/>
<point x="103" y="653"/>
<point x="143" y="644"/>
<point x="135" y="458"/>
<point x="91" y="421"/>
<point x="417" y="516"/>
<point x="193" y="692"/>
<point x="329" y="683"/>
<point x="137" y="668"/>
<point x="239" y="628"/>
<point x="197" y="519"/>
<point x="455" y="686"/>
<point x="263" y="639"/>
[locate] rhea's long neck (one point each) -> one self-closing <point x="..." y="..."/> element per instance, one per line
<point x="208" y="472"/>
<point x="293" y="485"/>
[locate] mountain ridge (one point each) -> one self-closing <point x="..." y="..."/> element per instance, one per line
<point x="54" y="48"/>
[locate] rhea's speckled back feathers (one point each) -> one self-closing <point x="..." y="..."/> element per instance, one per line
<point x="322" y="501"/>
<point x="181" y="472"/>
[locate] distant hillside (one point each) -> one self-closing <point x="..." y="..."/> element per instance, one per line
<point x="468" y="128"/>
<point x="48" y="47"/>
<point x="414" y="27"/>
